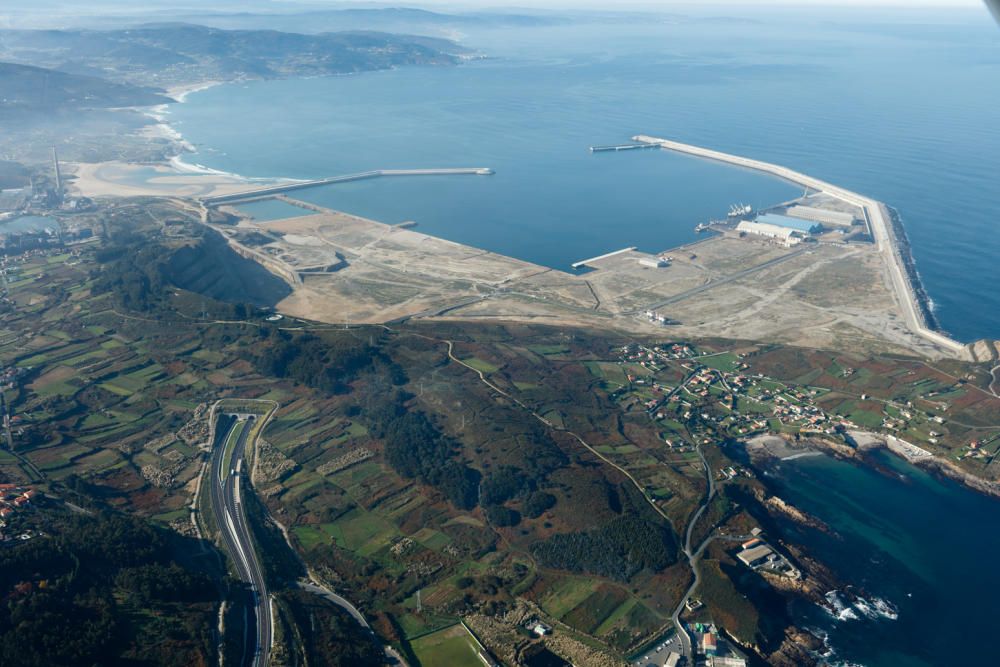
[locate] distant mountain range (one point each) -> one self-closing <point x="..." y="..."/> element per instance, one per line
<point x="35" y="89"/>
<point x="165" y="54"/>
<point x="396" y="16"/>
<point x="67" y="88"/>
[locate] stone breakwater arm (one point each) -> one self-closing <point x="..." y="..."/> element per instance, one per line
<point x="288" y="186"/>
<point x="876" y="215"/>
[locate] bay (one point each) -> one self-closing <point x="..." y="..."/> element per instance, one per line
<point x="908" y="113"/>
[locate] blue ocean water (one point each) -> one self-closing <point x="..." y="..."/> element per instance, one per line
<point x="906" y="112"/>
<point x="272" y="209"/>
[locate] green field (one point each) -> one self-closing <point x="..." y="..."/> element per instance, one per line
<point x="361" y="532"/>
<point x="480" y="365"/>
<point x="727" y="361"/>
<point x="566" y="594"/>
<point x="451" y="647"/>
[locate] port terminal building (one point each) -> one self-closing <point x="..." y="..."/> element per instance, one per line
<point x="821" y="215"/>
<point x="785" y="235"/>
<point x="789" y="222"/>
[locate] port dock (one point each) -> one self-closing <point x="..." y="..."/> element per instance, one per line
<point x="289" y="186"/>
<point x="876" y="216"/>
<point x="622" y="147"/>
<point x="585" y="262"/>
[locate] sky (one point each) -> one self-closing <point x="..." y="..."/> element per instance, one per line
<point x="605" y="4"/>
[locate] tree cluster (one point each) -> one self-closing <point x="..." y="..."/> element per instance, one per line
<point x="618" y="550"/>
<point x="328" y="364"/>
<point x="416" y="449"/>
<point x="70" y="594"/>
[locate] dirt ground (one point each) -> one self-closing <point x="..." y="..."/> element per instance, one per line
<point x="816" y="295"/>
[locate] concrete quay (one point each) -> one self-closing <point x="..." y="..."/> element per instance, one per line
<point x="876" y="216"/>
<point x="272" y="190"/>
<point x="621" y="147"/>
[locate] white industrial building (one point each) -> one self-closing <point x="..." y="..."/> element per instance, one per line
<point x="726" y="661"/>
<point x="786" y="235"/>
<point x="835" y="218"/>
<point x="653" y="262"/>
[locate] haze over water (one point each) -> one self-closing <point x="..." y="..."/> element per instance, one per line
<point x="906" y="113"/>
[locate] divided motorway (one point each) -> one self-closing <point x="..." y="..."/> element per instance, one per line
<point x="227" y="462"/>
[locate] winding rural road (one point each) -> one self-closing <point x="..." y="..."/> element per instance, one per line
<point x="232" y="522"/>
<point x="693" y="557"/>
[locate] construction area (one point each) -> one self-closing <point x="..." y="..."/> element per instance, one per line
<point x="830" y="292"/>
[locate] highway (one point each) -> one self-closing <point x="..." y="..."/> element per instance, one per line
<point x="236" y="536"/>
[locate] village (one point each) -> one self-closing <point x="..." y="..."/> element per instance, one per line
<point x="719" y="395"/>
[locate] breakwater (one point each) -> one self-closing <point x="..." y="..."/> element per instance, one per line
<point x="280" y="188"/>
<point x="910" y="266"/>
<point x="877" y="217"/>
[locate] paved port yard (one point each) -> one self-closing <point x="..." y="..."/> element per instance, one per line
<point x="876" y="215"/>
<point x="826" y="296"/>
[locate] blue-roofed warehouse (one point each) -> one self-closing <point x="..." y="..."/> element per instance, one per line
<point x="798" y="224"/>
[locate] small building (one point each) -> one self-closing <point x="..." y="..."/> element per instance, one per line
<point x="755" y="556"/>
<point x="653" y="262"/>
<point x="726" y="661"/>
<point x="821" y="215"/>
<point x="541" y="629"/>
<point x="751" y="543"/>
<point x="693" y="604"/>
<point x="673" y="659"/>
<point x="709" y="644"/>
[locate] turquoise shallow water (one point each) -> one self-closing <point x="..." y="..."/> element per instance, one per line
<point x="918" y="542"/>
<point x="908" y="113"/>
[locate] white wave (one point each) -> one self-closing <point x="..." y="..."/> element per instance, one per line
<point x="849" y="607"/>
<point x="182" y="94"/>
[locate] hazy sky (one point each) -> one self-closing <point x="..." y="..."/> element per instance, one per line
<point x="614" y="4"/>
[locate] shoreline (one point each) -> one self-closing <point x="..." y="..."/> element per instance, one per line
<point x="868" y="441"/>
<point x="175" y="177"/>
<point x="163" y="129"/>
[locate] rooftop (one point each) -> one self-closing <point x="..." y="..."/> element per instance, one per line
<point x="799" y="225"/>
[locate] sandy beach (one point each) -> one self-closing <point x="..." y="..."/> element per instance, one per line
<point x="122" y="179"/>
<point x="174" y="178"/>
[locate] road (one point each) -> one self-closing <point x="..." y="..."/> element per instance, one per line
<point x="232" y="522"/>
<point x="724" y="280"/>
<point x="394" y="657"/>
<point x="693" y="558"/>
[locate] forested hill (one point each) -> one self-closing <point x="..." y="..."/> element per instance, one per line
<point x="27" y="88"/>
<point x="174" y="53"/>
